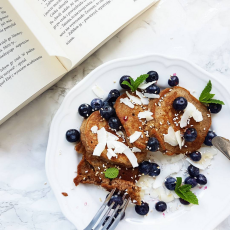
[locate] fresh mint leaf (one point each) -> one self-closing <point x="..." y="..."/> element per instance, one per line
<point x="206" y="91"/>
<point x="111" y="173"/>
<point x="128" y="84"/>
<point x="139" y="80"/>
<point x="207" y="97"/>
<point x="214" y="101"/>
<point x="133" y="85"/>
<point x="183" y="191"/>
<point x="178" y="182"/>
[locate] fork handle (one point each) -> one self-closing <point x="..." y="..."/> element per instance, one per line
<point x="222" y="144"/>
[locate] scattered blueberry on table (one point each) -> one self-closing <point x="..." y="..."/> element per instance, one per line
<point x="153" y="76"/>
<point x="72" y="135"/>
<point x="96" y="104"/>
<point x="191" y="181"/>
<point x="144" y="167"/>
<point x="190" y="135"/>
<point x="184" y="202"/>
<point x="161" y="206"/>
<point x="142" y="209"/>
<point x="153" y="144"/>
<point x="107" y="111"/>
<point x="154" y="169"/>
<point x="85" y="110"/>
<point x="173" y="81"/>
<point x="153" y="89"/>
<point x="170" y="183"/>
<point x="117" y="199"/>
<point x="125" y="78"/>
<point x="113" y="95"/>
<point x="214" y="108"/>
<point x="209" y="137"/>
<point x="180" y="103"/>
<point x="193" y="171"/>
<point x="195" y="156"/>
<point x="201" y="179"/>
<point x="114" y="123"/>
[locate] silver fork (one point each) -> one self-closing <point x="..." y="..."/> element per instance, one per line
<point x="104" y="211"/>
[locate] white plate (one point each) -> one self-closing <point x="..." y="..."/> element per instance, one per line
<point x="83" y="201"/>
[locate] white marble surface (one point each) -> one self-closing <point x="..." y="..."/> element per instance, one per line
<point x="197" y="30"/>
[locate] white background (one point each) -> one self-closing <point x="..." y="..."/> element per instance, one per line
<point x="198" y="31"/>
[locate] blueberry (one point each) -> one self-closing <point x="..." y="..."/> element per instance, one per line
<point x="190" y="135"/>
<point x="96" y="104"/>
<point x="106" y="219"/>
<point x="214" y="108"/>
<point x="107" y="103"/>
<point x="85" y="110"/>
<point x="153" y="76"/>
<point x="153" y="144"/>
<point x="161" y="206"/>
<point x="173" y="81"/>
<point x="209" y="137"/>
<point x="144" y="167"/>
<point x="195" y="156"/>
<point x="117" y="199"/>
<point x="142" y="209"/>
<point x="154" y="89"/>
<point x="125" y="78"/>
<point x="180" y="103"/>
<point x="170" y="183"/>
<point x="184" y="202"/>
<point x="114" y="123"/>
<point x="72" y="135"/>
<point x="193" y="171"/>
<point x="154" y="169"/>
<point x="191" y="181"/>
<point x="118" y="212"/>
<point x="113" y="95"/>
<point x="201" y="179"/>
<point x="107" y="111"/>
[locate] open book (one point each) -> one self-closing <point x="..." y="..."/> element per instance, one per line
<point x="41" y="40"/>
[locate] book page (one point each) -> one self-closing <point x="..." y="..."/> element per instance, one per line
<point x="80" y="26"/>
<point x="25" y="67"/>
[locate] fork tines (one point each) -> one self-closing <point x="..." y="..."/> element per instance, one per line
<point x="100" y="220"/>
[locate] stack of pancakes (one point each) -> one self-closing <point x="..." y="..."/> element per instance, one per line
<point x="91" y="168"/>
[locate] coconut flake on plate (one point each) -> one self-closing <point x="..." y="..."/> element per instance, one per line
<point x="179" y="139"/>
<point x="127" y="102"/>
<point x="99" y="92"/>
<point x="133" y="99"/>
<point x="102" y="138"/>
<point x="151" y="95"/>
<point x="136" y="150"/>
<point x="111" y="153"/>
<point x="164" y="195"/>
<point x="94" y="129"/>
<point x="146" y="115"/>
<point x="190" y="111"/>
<point x="144" y="100"/>
<point x="135" y="136"/>
<point x="171" y="138"/>
<point x="207" y="155"/>
<point x="145" y="85"/>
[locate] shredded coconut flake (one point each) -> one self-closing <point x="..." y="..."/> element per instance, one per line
<point x="144" y="100"/>
<point x="94" y="129"/>
<point x="127" y="102"/>
<point x="133" y="99"/>
<point x="99" y="92"/>
<point x="146" y="85"/>
<point x="134" y="136"/>
<point x="146" y="115"/>
<point x="151" y="95"/>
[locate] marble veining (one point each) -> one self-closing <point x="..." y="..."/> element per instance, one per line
<point x="198" y="31"/>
